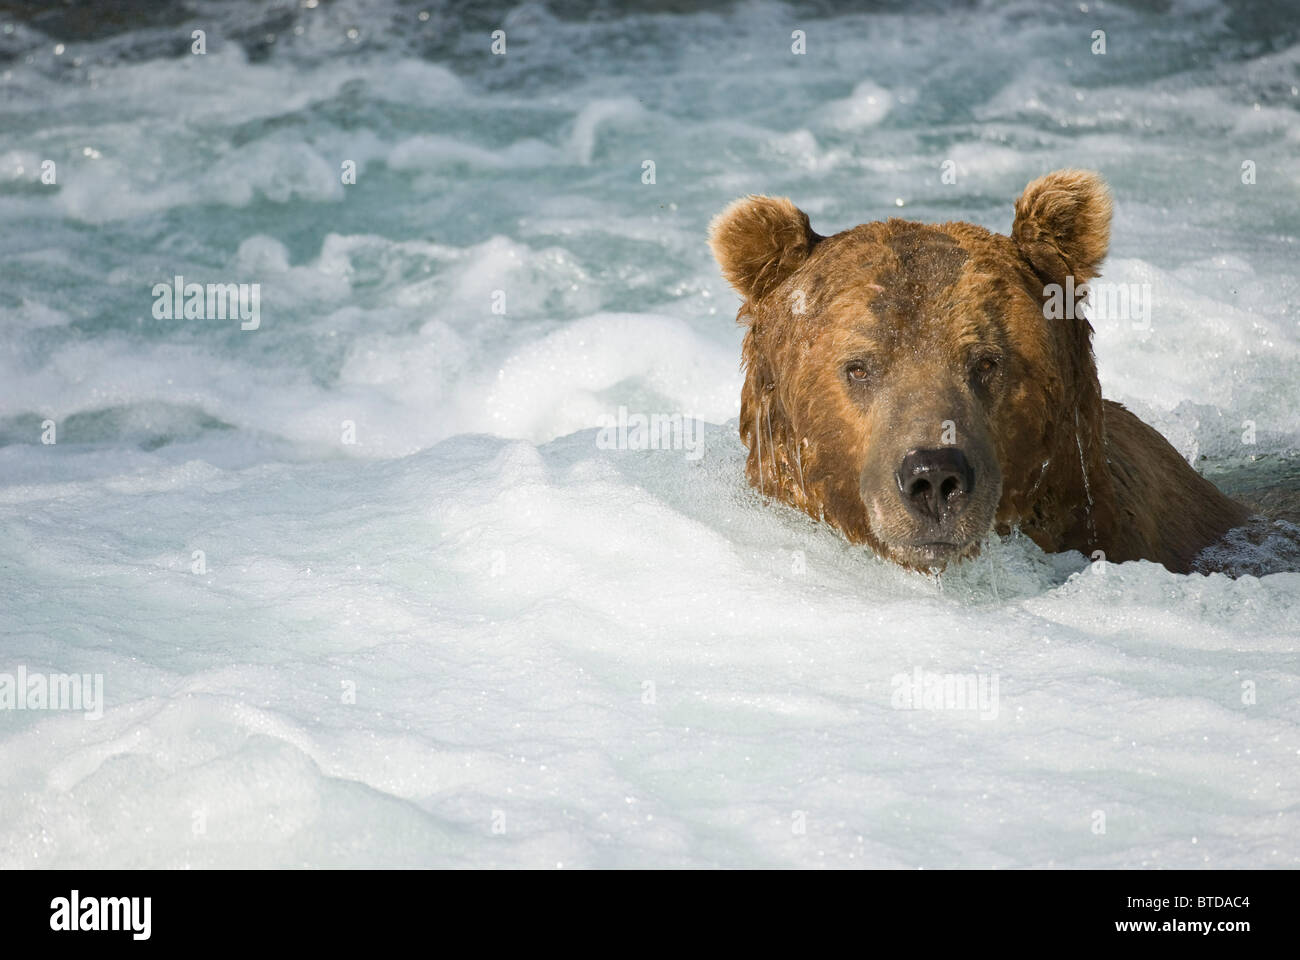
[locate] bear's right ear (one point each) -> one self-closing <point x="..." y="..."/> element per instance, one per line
<point x="759" y="241"/>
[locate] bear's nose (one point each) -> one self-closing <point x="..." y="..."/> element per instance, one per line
<point x="935" y="484"/>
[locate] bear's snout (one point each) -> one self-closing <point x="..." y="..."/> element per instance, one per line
<point x="929" y="504"/>
<point x="936" y="485"/>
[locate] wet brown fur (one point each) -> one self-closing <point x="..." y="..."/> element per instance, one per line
<point x="1077" y="472"/>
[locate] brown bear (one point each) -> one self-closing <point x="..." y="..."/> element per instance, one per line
<point x="904" y="383"/>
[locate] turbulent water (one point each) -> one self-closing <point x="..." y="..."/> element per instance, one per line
<point x="363" y="587"/>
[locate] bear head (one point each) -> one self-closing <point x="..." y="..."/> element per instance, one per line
<point x="904" y="382"/>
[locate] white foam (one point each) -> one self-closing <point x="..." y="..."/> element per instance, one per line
<point x="507" y="616"/>
<point x="866" y="106"/>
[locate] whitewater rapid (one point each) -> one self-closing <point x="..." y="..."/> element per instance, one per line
<point x="461" y="630"/>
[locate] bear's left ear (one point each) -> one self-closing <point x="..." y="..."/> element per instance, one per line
<point x="1062" y="224"/>
<point x="759" y="241"/>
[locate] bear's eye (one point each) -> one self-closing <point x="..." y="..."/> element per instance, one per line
<point x="985" y="366"/>
<point x="857" y="372"/>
